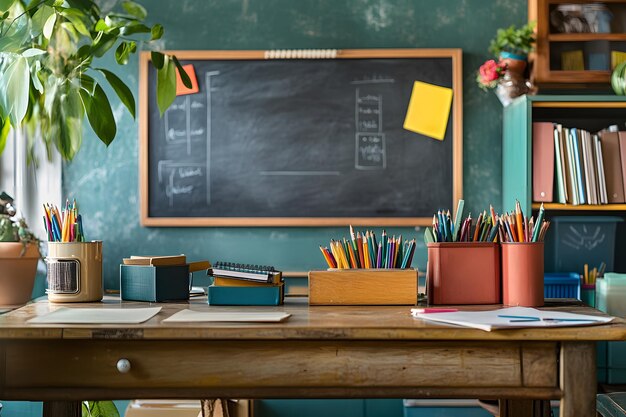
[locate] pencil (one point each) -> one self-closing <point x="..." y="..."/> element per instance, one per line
<point x="520" y="221"/>
<point x="330" y="264"/>
<point x="477" y="229"/>
<point x="539" y="223"/>
<point x="359" y="248"/>
<point x="379" y="258"/>
<point x="366" y="254"/>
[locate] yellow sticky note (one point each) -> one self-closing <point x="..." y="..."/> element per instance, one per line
<point x="429" y="109"/>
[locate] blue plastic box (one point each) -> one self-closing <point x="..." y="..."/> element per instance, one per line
<point x="573" y="241"/>
<point x="561" y="285"/>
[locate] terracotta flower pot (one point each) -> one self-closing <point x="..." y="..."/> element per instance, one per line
<point x="17" y="273"/>
<point x="514" y="63"/>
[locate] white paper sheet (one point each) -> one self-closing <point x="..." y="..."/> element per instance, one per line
<point x="68" y="315"/>
<point x="489" y="320"/>
<point x="226" y="316"/>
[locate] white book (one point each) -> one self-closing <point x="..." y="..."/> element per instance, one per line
<point x="564" y="163"/>
<point x="601" y="177"/>
<point x="561" y="196"/>
<point x="571" y="164"/>
<point x="590" y="172"/>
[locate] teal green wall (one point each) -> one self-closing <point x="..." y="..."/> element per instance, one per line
<point x="105" y="181"/>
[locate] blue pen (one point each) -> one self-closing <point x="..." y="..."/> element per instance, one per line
<point x="524" y="318"/>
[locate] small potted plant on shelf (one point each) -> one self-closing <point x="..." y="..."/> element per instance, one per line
<point x="19" y="253"/>
<point x="510" y="47"/>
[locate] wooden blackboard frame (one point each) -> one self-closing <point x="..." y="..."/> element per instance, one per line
<point x="455" y="55"/>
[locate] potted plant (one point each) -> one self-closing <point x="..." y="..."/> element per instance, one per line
<point x="49" y="76"/>
<point x="512" y="46"/>
<point x="19" y="253"/>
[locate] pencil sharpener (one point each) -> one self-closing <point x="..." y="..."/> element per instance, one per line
<point x="74" y="271"/>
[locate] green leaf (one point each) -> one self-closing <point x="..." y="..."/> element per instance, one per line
<point x="99" y="409"/>
<point x="156" y="32"/>
<point x="124" y="50"/>
<point x="14" y="89"/>
<point x="101" y="26"/>
<point x="166" y="85"/>
<point x="135" y="9"/>
<point x="66" y="119"/>
<point x="158" y="59"/>
<point x="104" y="44"/>
<point x="31" y="52"/>
<point x="40" y="18"/>
<point x="183" y="74"/>
<point x="6" y="4"/>
<point x="48" y="27"/>
<point x="122" y="90"/>
<point x="34" y="76"/>
<point x="5" y="128"/>
<point x="100" y="114"/>
<point x="87" y="83"/>
<point x="75" y="17"/>
<point x="134" y="28"/>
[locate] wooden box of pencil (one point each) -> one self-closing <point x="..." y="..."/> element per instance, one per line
<point x="463" y="273"/>
<point x="363" y="287"/>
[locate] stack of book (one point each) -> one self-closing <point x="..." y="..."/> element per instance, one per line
<point x="574" y="166"/>
<point x="240" y="284"/>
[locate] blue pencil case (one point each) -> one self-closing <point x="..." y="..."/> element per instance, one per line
<point x="154" y="283"/>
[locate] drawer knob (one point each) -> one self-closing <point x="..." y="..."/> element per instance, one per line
<point x="123" y="366"/>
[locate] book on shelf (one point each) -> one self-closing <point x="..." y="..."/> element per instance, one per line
<point x="543" y="161"/>
<point x="561" y="187"/>
<point x="612" y="167"/>
<point x="575" y="166"/>
<point x="257" y="273"/>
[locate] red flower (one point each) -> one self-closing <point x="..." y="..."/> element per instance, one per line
<point x="489" y="73"/>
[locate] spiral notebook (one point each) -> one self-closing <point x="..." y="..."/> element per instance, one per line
<point x="257" y="273"/>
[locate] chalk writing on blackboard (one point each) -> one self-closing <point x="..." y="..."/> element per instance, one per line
<point x="583" y="237"/>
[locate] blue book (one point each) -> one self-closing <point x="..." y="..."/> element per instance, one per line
<point x="582" y="195"/>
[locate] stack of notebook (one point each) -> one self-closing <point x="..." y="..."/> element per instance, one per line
<point x="240" y="284"/>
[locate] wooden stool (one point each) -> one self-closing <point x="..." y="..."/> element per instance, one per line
<point x="612" y="405"/>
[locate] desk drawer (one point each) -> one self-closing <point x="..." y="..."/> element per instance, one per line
<point x="91" y="364"/>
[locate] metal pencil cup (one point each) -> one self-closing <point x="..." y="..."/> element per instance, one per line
<point x="522" y="274"/>
<point x="74" y="271"/>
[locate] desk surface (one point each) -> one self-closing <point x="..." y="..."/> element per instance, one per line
<point x="306" y="322"/>
<point x="319" y="352"/>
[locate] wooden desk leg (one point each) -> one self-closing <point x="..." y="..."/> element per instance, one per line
<point x="578" y="379"/>
<point x="524" y="408"/>
<point x="62" y="409"/>
<point x="209" y="407"/>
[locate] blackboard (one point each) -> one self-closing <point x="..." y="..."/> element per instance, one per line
<point x="298" y="141"/>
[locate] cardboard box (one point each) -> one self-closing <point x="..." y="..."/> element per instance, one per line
<point x="363" y="287"/>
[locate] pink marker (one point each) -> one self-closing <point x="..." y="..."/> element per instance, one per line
<point x="433" y="310"/>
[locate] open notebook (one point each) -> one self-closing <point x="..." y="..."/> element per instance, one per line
<point x="512" y="318"/>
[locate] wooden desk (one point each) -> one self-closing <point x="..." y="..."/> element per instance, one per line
<point x="320" y="352"/>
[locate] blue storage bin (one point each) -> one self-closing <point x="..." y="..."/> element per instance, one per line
<point x="270" y="295"/>
<point x="574" y="241"/>
<point x="561" y="285"/>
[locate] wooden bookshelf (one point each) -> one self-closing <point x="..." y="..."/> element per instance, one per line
<point x="580" y="207"/>
<point x="550" y="44"/>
